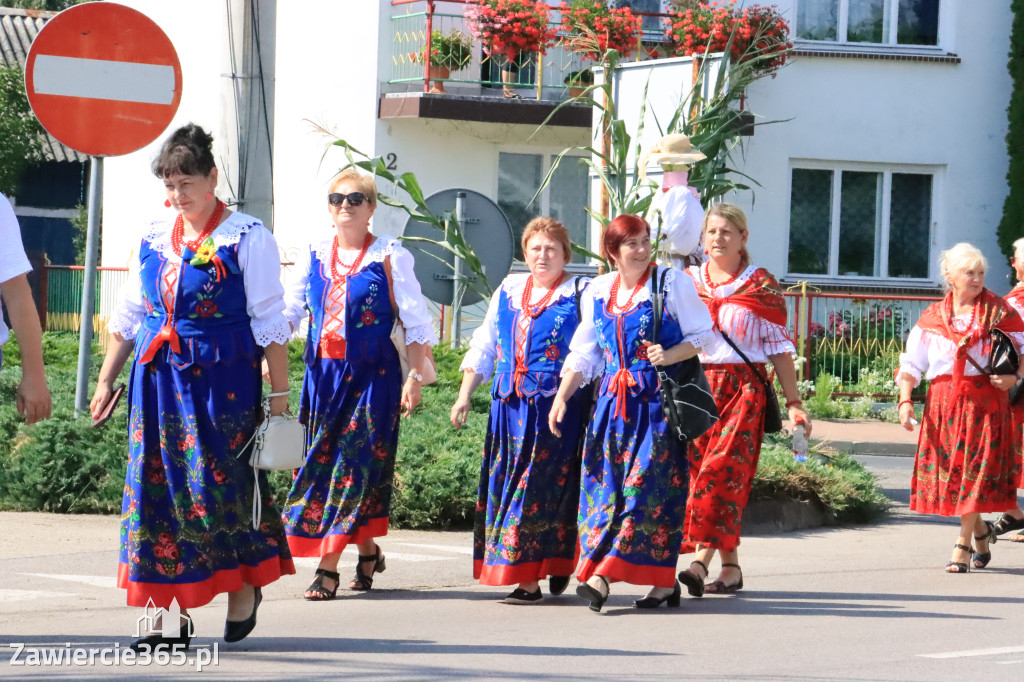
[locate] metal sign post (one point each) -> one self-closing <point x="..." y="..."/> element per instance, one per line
<point x="460" y="216"/>
<point x="89" y="284"/>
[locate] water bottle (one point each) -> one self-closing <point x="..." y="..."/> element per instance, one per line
<point x="799" y="441"/>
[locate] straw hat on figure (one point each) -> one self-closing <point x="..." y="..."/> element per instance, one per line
<point x="676" y="212"/>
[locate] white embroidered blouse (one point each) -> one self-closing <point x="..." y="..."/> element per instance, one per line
<point x="933" y="355"/>
<point x="258" y="259"/>
<point x="681" y="301"/>
<point x="412" y="306"/>
<point x="757" y="337"/>
<point x="682" y="216"/>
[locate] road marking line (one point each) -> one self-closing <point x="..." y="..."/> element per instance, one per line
<point x="446" y="548"/>
<point x="994" y="651"/>
<point x="107" y="581"/>
<point x="103" y="79"/>
<point x="29" y="595"/>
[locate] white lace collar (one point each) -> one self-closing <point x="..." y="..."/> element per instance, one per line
<point x="380" y="249"/>
<point x="516" y="282"/>
<point x="228" y="232"/>
<point x="602" y="285"/>
<point x="699" y="272"/>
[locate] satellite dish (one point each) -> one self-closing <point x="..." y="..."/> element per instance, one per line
<point x="485" y="228"/>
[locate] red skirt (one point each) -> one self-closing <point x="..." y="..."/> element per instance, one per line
<point x="723" y="461"/>
<point x="965" y="461"/>
<point x="1017" y="418"/>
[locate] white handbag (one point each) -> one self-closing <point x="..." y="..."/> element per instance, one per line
<point x="429" y="369"/>
<point x="279" y="443"/>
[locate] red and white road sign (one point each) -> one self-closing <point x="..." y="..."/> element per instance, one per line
<point x="103" y="78"/>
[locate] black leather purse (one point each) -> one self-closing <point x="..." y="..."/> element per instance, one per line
<point x="686" y="398"/>
<point x="1002" y="359"/>
<point x="772" y="415"/>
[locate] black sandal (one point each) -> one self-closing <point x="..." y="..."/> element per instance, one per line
<point x="981" y="559"/>
<point x="1006" y="523"/>
<point x="960" y="566"/>
<point x="593" y="595"/>
<point x="719" y="587"/>
<point x="319" y="592"/>
<point x="363" y="582"/>
<point x="694" y="585"/>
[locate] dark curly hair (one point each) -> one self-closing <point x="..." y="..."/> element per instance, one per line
<point x="188" y="151"/>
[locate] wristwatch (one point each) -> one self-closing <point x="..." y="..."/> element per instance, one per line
<point x="416" y="375"/>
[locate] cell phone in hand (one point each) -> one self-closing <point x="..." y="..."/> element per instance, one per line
<point x="108" y="409"/>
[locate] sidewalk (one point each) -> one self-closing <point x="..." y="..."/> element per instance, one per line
<point x="865" y="437"/>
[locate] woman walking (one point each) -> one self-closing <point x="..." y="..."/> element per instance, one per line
<point x="965" y="464"/>
<point x="528" y="498"/>
<point x="634" y="472"/>
<point x="202" y="305"/>
<point x="354" y="286"/>
<point x="747" y="307"/>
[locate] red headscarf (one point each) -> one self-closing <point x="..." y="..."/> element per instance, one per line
<point x="991" y="312"/>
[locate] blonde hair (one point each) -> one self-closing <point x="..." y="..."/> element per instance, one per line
<point x="553" y="229"/>
<point x="960" y="258"/>
<point x="363" y="182"/>
<point x="735" y="215"/>
<point x="1018" y="245"/>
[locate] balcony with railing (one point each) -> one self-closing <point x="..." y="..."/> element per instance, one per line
<point x="489" y="86"/>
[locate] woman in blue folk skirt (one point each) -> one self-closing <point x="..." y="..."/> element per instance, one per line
<point x="353" y="286"/>
<point x="528" y="498"/>
<point x="634" y="479"/>
<point x="202" y="305"/>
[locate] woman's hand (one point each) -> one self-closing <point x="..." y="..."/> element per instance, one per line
<point x="278" y="405"/>
<point x="411" y="396"/>
<point x="798" y="415"/>
<point x="556" y="415"/>
<point x="1004" y="382"/>
<point x="460" y="410"/>
<point x="100" y="398"/>
<point x="655" y="354"/>
<point x="907" y="414"/>
<point x="266" y="371"/>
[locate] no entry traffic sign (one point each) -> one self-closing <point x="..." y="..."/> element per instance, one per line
<point x="103" y="79"/>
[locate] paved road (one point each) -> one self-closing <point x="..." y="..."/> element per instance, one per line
<point x="863" y="603"/>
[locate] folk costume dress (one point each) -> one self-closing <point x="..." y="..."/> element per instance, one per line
<point x="633" y="482"/>
<point x="528" y="498"/>
<point x="352" y="391"/>
<point x="1016" y="299"/>
<point x="193" y="400"/>
<point x="965" y="460"/>
<point x="752" y="311"/>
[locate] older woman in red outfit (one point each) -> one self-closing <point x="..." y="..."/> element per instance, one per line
<point x="965" y="462"/>
<point x="745" y="304"/>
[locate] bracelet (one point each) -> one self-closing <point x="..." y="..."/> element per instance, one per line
<point x="794" y="403"/>
<point x="900" y="403"/>
<point x="278" y="394"/>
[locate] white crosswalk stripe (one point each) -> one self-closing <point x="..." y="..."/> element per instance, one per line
<point x="107" y="581"/>
<point x="29" y="595"/>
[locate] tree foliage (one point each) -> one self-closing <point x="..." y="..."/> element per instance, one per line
<point x="20" y="130"/>
<point x="1011" y="227"/>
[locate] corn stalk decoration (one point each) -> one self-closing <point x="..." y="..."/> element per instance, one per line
<point x="450" y="235"/>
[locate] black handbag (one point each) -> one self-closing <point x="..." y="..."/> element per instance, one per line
<point x="772" y="415"/>
<point x="1002" y="359"/>
<point x="686" y="398"/>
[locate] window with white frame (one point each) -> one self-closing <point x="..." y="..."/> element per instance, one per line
<point x="564" y="199"/>
<point x="853" y="222"/>
<point x="882" y="22"/>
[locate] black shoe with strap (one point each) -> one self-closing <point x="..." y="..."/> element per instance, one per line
<point x="237" y="630"/>
<point x="981" y="559"/>
<point x="593" y="595"/>
<point x="1006" y="523"/>
<point x="720" y="587"/>
<point x="694" y="584"/>
<point x="671" y="599"/>
<point x="960" y="566"/>
<point x="364" y="582"/>
<point x="317" y="589"/>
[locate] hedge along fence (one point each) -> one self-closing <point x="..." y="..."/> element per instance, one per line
<point x="64" y="465"/>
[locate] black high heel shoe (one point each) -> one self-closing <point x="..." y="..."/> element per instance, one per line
<point x="694" y="585"/>
<point x="557" y="584"/>
<point x="671" y="600"/>
<point x="981" y="559"/>
<point x="593" y="595"/>
<point x="237" y="630"/>
<point x="154" y="642"/>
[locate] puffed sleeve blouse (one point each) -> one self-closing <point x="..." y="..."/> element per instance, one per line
<point x="932" y="355"/>
<point x="682" y="216"/>
<point x="681" y="301"/>
<point x="412" y="306"/>
<point x="258" y="258"/>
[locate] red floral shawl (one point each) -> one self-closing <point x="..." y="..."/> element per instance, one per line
<point x="760" y="294"/>
<point x="991" y="312"/>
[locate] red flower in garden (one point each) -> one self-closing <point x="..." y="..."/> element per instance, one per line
<point x="757" y="32"/>
<point x="206" y="308"/>
<point x="611" y="29"/>
<point x="512" y="27"/>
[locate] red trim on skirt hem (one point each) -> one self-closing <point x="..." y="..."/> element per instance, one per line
<point x="521" y="573"/>
<point x="336" y="543"/>
<point x="192" y="595"/>
<point x="616" y="569"/>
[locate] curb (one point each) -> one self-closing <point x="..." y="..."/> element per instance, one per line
<point x="871" y="448"/>
<point x="782" y="515"/>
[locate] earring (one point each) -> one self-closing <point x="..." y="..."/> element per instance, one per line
<point x="209" y="195"/>
<point x="167" y="203"/>
<point x="706" y="252"/>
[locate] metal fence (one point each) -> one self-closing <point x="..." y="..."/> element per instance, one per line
<point x="62" y="291"/>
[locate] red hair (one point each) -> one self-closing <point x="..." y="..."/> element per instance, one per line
<point x="619" y="230"/>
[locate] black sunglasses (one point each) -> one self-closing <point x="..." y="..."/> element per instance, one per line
<point x="354" y="198"/>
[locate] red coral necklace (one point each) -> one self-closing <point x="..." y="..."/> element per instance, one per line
<point x="542" y="304"/>
<point x="715" y="285"/>
<point x="178" y="233"/>
<point x="349" y="269"/>
<point x="613" y="297"/>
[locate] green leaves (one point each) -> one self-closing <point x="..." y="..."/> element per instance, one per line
<point x="22" y="134"/>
